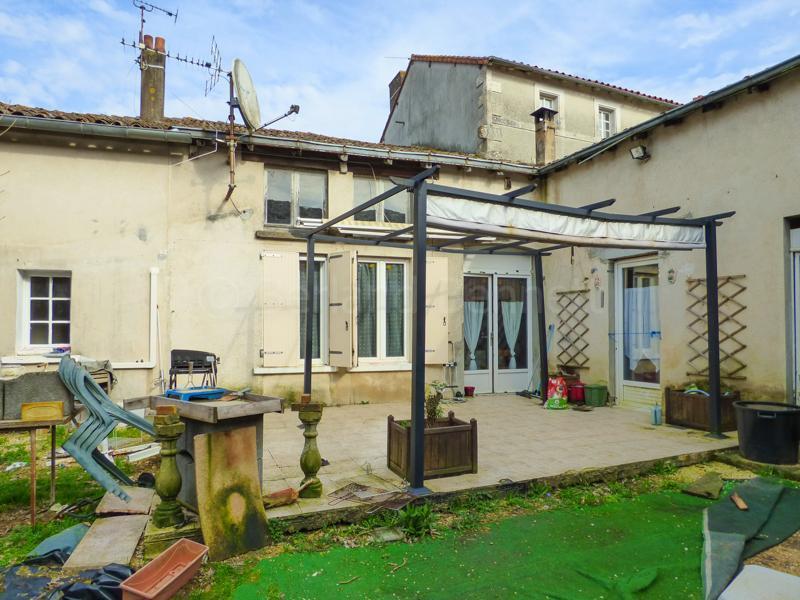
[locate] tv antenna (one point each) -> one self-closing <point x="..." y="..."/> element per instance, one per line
<point x="148" y="7"/>
<point x="243" y="97"/>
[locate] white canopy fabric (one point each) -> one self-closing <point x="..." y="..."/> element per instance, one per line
<point x="539" y="226"/>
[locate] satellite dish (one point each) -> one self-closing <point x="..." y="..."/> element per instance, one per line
<point x="246" y="95"/>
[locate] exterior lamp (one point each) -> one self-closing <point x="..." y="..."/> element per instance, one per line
<point x="639" y="152"/>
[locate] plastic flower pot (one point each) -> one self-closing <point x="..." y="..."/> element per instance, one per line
<point x="469" y="391"/>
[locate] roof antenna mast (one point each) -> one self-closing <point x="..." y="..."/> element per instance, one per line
<point x="148" y="7"/>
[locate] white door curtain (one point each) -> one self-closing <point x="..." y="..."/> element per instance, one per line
<point x="473" y="320"/>
<point x="493" y="219"/>
<point x="512" y="318"/>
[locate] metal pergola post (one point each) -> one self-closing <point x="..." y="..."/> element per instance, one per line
<point x="538" y="274"/>
<point x="309" y="331"/>
<point x="419" y="263"/>
<point x="712" y="307"/>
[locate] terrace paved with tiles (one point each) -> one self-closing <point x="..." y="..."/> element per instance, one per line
<point x="517" y="440"/>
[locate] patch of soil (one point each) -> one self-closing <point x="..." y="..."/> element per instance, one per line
<point x="784" y="557"/>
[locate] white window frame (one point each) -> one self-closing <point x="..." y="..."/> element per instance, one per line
<point x="613" y="113"/>
<point x="381" y="185"/>
<point x="323" y="312"/>
<point x="381" y="312"/>
<point x="294" y="213"/>
<point x="24" y="345"/>
<point x="553" y="98"/>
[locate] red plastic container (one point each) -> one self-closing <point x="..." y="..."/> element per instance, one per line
<point x="168" y="572"/>
<point x="469" y="391"/>
<point x="576" y="393"/>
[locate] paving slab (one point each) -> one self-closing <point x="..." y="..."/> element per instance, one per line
<point x="109" y="540"/>
<point x="141" y="499"/>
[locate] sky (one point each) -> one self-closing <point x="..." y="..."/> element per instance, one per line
<point x="336" y="58"/>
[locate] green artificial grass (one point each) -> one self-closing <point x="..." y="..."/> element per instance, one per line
<point x="645" y="546"/>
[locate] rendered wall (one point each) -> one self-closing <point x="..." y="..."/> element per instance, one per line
<point x="743" y="157"/>
<point x="109" y="217"/>
<point x="512" y="96"/>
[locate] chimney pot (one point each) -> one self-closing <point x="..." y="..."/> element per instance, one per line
<point x="161" y="45"/>
<point x="148" y="42"/>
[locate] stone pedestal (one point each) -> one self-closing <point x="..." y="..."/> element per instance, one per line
<point x="310" y="460"/>
<point x="168" y="479"/>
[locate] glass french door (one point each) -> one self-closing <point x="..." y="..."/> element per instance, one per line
<point x="637" y="331"/>
<point x="497" y="333"/>
<point x="796" y="318"/>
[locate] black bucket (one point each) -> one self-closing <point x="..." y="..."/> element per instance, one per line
<point x="769" y="432"/>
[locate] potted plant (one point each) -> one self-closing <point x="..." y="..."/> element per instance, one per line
<point x="451" y="445"/>
<point x="690" y="406"/>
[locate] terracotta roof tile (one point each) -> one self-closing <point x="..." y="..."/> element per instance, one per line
<point x="193" y="123"/>
<point x="488" y="60"/>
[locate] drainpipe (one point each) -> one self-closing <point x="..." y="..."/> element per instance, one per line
<point x="153" y="344"/>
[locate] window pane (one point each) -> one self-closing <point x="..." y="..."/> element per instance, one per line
<point x="367" y="309"/>
<point x="312" y="195"/>
<point x="61" y="287"/>
<point x="60" y="310"/>
<point x="315" y="343"/>
<point x="396" y="209"/>
<point x="641" y="325"/>
<point x="279" y="196"/>
<point x="512" y="343"/>
<point x="395" y="310"/>
<point x="476" y="323"/>
<point x="363" y="190"/>
<point x="60" y="333"/>
<point x="40" y="310"/>
<point x="40" y="287"/>
<point x="39" y="333"/>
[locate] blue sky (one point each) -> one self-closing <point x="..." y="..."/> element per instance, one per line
<point x="335" y="58"/>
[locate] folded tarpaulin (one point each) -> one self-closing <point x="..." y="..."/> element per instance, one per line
<point x="730" y="535"/>
<point x="468" y="215"/>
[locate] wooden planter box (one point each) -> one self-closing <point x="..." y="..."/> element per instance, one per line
<point x="694" y="410"/>
<point x="451" y="447"/>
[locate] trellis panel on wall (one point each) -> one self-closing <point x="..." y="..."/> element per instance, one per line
<point x="572" y="328"/>
<point x="731" y="325"/>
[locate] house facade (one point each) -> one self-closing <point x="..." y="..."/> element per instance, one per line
<point x="118" y="244"/>
<point x="640" y="326"/>
<point x="484" y="105"/>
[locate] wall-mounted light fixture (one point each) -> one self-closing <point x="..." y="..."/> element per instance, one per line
<point x="671" y="275"/>
<point x="640" y="152"/>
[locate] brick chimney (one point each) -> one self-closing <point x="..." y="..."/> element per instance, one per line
<point x="394" y="88"/>
<point x="545" y="135"/>
<point x="152" y="61"/>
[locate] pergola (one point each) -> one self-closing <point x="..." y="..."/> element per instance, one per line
<point x="511" y="223"/>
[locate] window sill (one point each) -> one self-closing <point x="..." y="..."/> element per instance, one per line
<point x="292" y="370"/>
<point x="34" y="359"/>
<point x="317" y="369"/>
<point x="371" y="367"/>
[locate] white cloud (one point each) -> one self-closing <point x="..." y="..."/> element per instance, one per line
<point x="336" y="59"/>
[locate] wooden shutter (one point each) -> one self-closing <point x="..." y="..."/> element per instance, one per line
<point x="281" y="334"/>
<point x="341" y="324"/>
<point x="436" y="310"/>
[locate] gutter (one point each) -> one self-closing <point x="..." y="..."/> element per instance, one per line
<point x="185" y="135"/>
<point x="676" y="113"/>
<point x="94" y="129"/>
<point x="383" y="153"/>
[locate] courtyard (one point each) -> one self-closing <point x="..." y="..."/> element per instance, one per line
<point x="518" y="442"/>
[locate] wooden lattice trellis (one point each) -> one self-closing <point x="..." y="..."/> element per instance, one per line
<point x="572" y="328"/>
<point x="730" y="326"/>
